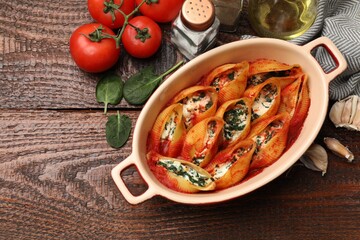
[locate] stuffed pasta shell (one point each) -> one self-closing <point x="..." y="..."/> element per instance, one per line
<point x="229" y="80"/>
<point x="180" y="175"/>
<point x="266" y="100"/>
<point x="270" y="136"/>
<point x="231" y="165"/>
<point x="263" y="69"/>
<point x="202" y="140"/>
<point x="295" y="100"/>
<point x="199" y="102"/>
<point x="237" y="117"/>
<point x="168" y="132"/>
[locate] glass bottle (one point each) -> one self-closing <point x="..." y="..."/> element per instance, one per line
<point x="195" y="29"/>
<point x="284" y="19"/>
<point x="228" y="12"/>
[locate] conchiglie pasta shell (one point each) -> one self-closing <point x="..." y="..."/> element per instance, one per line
<point x="174" y="181"/>
<point x="268" y="65"/>
<point x="300" y="113"/>
<point x="195" y="112"/>
<point x="228" y="89"/>
<point x="202" y="141"/>
<point x="169" y="145"/>
<point x="256" y="92"/>
<point x="264" y="69"/>
<point x="269" y="152"/>
<point x="285" y="81"/>
<point x="243" y="104"/>
<point x="289" y="97"/>
<point x="238" y="169"/>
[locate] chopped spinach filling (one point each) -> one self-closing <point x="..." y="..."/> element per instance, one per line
<point x="211" y="129"/>
<point x="187" y="172"/>
<point x="233" y="121"/>
<point x="216" y="82"/>
<point x="231" y="76"/>
<point x="170" y="127"/>
<point x="221" y="80"/>
<point x="254" y="116"/>
<point x="265" y="99"/>
<point x="209" y="104"/>
<point x="198" y="96"/>
<point x="266" y="135"/>
<point x="262" y="77"/>
<point x="198" y="160"/>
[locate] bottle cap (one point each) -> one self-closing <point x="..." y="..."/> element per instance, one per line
<point x="198" y="15"/>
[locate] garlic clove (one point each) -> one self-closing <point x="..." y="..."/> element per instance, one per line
<point x="354" y="108"/>
<point x="338" y="148"/>
<point x="315" y="158"/>
<point x="356" y="119"/>
<point x="346" y="113"/>
<point x="335" y="113"/>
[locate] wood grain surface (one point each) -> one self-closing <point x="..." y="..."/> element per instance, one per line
<point x="55" y="163"/>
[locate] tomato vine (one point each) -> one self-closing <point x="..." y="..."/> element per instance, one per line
<point x="110" y="6"/>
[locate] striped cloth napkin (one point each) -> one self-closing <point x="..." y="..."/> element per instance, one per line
<point x="338" y="20"/>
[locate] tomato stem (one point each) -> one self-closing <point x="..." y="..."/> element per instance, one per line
<point x="142" y="34"/>
<point x="97" y="35"/>
<point x="126" y="21"/>
<point x="110" y="6"/>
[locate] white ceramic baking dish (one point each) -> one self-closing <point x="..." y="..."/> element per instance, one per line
<point x="190" y="73"/>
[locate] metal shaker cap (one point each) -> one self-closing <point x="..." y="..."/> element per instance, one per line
<point x="198" y="15"/>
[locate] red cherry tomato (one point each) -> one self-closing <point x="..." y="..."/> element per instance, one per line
<point x="93" y="56"/>
<point x="96" y="9"/>
<point x="141" y="44"/>
<point x="163" y="11"/>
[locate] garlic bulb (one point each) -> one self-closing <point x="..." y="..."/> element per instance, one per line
<point x="346" y="113"/>
<point x="338" y="148"/>
<point x="315" y="158"/>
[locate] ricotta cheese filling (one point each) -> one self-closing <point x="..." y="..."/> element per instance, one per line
<point x="169" y="128"/>
<point x="263" y="101"/>
<point x="267" y="134"/>
<point x="223" y="79"/>
<point x="194" y="105"/>
<point x="208" y="142"/>
<point x="222" y="168"/>
<point x="235" y="121"/>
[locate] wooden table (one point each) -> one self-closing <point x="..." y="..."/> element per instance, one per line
<point x="55" y="163"/>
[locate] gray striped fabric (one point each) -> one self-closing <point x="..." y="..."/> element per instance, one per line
<point x="338" y="20"/>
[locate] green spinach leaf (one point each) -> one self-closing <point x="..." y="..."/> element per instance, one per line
<point x="118" y="128"/>
<point x="139" y="87"/>
<point x="109" y="90"/>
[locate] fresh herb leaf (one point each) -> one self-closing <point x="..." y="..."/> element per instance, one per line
<point x="109" y="90"/>
<point x="118" y="128"/>
<point x="139" y="87"/>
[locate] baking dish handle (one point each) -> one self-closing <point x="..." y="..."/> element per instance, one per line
<point x="116" y="175"/>
<point x="333" y="51"/>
